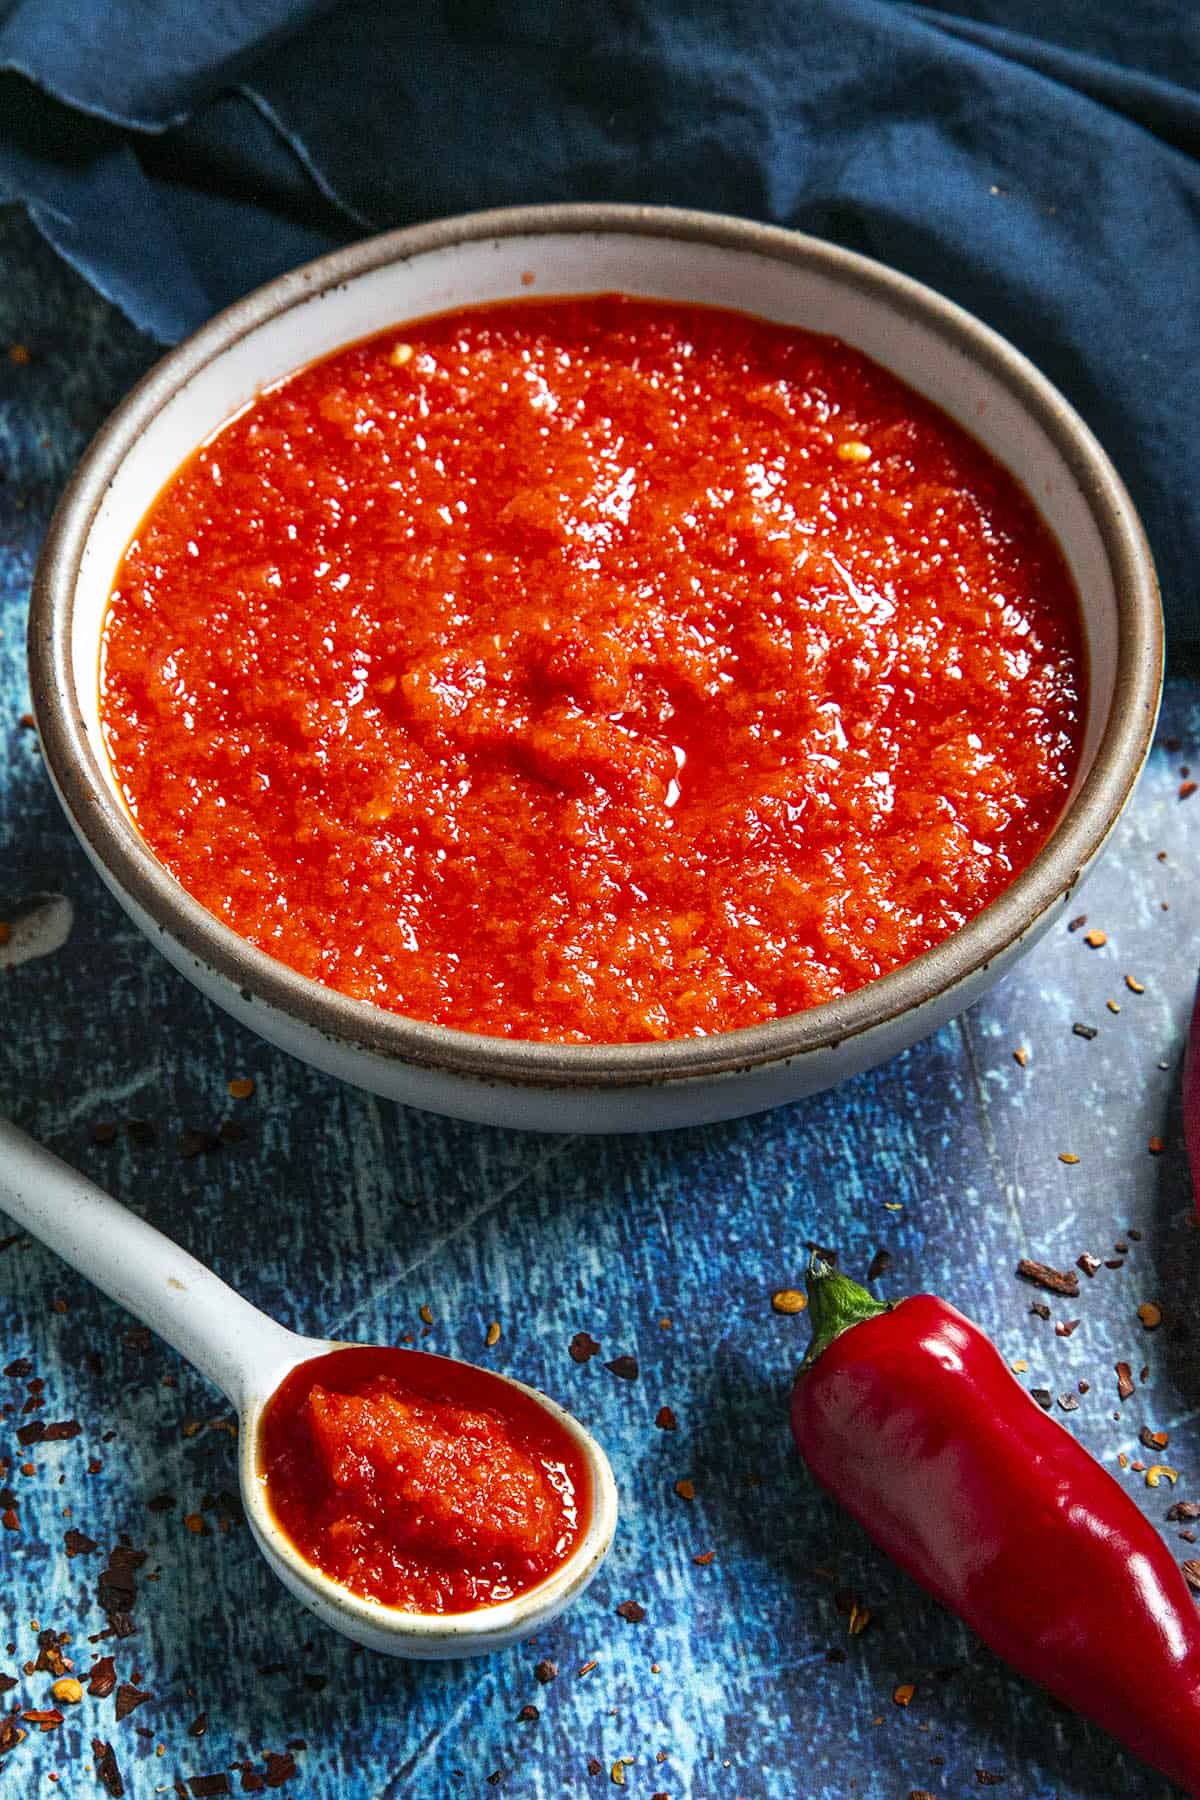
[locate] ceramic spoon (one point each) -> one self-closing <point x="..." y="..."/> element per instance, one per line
<point x="247" y="1355"/>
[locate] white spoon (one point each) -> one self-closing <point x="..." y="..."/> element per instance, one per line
<point x="247" y="1355"/>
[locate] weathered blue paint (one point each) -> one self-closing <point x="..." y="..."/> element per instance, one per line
<point x="343" y="1214"/>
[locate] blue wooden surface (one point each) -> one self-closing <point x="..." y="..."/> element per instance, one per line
<point x="343" y="1214"/>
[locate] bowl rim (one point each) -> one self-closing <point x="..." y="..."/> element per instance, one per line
<point x="114" y="843"/>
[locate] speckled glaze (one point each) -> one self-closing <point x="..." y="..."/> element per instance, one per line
<point x="247" y="1355"/>
<point x="956" y="361"/>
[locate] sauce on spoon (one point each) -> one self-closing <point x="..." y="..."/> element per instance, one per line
<point x="420" y="1482"/>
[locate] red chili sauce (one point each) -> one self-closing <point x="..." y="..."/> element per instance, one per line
<point x="593" y="670"/>
<point x="420" y="1482"/>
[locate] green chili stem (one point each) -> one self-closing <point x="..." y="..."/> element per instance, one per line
<point x="835" y="1303"/>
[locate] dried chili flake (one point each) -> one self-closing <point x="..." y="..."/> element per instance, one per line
<point x="1077" y="923"/>
<point x="665" y="1419"/>
<point x="20" y="1368"/>
<point x="1184" y="1509"/>
<point x="703" y="1559"/>
<point x="902" y="1695"/>
<point x="50" y="1659"/>
<point x="241" y="1087"/>
<point x="545" y="1671"/>
<point x="1124" y="1380"/>
<point x="7" y="1683"/>
<point x="594" y="1766"/>
<point x="582" y="1347"/>
<point x="1040" y="1308"/>
<point x="1021" y="1057"/>
<point x="117" y="1589"/>
<point x="107" y="1772"/>
<point x="1089" y="1264"/>
<point x="78" y="1543"/>
<point x="1058" y="1281"/>
<point x="631" y="1610"/>
<point x="528" y="1715"/>
<point x="1065" y="1327"/>
<point x="281" y="1766"/>
<point x="986" y="1778"/>
<point x="1186" y="788"/>
<point x="686" y="1489"/>
<point x="1153" y="1440"/>
<point x="1155" y="1146"/>
<point x="203" y="1787"/>
<point x="625" y="1368"/>
<point x="10" y="1519"/>
<point x="129" y="1698"/>
<point x="102" y="1678"/>
<point x="202" y="1142"/>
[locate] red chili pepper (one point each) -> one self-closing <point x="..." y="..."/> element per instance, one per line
<point x="911" y="1418"/>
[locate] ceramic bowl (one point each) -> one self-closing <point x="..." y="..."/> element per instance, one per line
<point x="973" y="374"/>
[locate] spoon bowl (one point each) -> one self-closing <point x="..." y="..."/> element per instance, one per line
<point x="248" y="1355"/>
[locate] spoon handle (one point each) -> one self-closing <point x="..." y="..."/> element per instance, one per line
<point x="233" y="1343"/>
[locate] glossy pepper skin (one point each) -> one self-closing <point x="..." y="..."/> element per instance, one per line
<point x="910" y="1417"/>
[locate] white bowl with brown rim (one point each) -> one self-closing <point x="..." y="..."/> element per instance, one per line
<point x="944" y="353"/>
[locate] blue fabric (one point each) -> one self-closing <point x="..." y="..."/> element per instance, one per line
<point x="1039" y="165"/>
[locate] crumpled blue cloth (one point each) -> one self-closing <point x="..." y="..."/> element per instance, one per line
<point x="1041" y="165"/>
